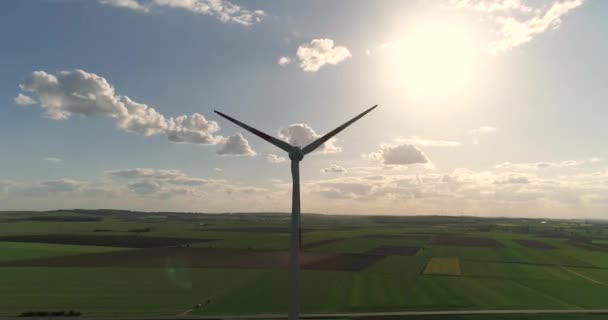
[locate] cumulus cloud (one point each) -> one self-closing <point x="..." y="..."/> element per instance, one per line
<point x="320" y="52"/>
<point x="301" y="135"/>
<point x="283" y="61"/>
<point x="399" y="154"/>
<point x="54" y="160"/>
<point x="334" y="168"/>
<point x="273" y="158"/>
<point x="515" y="22"/>
<point x="236" y="145"/>
<point x="225" y="11"/>
<point x="24" y="100"/>
<point x="78" y="92"/>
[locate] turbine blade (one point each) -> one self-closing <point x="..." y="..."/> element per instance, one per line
<point x="317" y="143"/>
<point x="278" y="143"/>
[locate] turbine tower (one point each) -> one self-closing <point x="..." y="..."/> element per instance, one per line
<point x="296" y="154"/>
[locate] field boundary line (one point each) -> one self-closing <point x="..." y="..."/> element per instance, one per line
<point x="581" y="275"/>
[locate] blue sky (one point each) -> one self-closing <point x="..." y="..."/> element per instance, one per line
<point x="486" y="107"/>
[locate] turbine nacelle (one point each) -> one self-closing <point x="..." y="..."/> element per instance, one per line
<point x="296" y="154"/>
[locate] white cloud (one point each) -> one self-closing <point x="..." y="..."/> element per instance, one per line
<point x="86" y="94"/>
<point x="464" y="191"/>
<point x="320" y="52"/>
<point x="283" y="61"/>
<point x="217" y="169"/>
<point x="24" y="100"/>
<point x="54" y="160"/>
<point x="139" y="189"/>
<point x="225" y="11"/>
<point x="334" y="168"/>
<point x="236" y="145"/>
<point x="515" y="22"/>
<point x="399" y="154"/>
<point x="461" y="191"/>
<point x="515" y="32"/>
<point x="273" y="158"/>
<point x="301" y="135"/>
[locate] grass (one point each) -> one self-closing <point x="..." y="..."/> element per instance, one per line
<point x="509" y="277"/>
<point x="116" y="291"/>
<point x="499" y="270"/>
<point x="443" y="266"/>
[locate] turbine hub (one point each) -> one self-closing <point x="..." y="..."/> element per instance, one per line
<point x="296" y="154"/>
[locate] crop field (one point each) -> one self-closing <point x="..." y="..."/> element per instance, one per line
<point x="443" y="266"/>
<point x="110" y="263"/>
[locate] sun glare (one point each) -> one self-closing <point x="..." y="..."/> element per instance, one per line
<point x="434" y="61"/>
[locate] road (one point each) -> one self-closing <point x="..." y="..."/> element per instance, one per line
<point x="388" y="314"/>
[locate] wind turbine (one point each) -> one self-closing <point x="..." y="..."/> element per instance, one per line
<point x="296" y="154"/>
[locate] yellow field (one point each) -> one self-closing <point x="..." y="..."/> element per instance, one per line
<point x="443" y="266"/>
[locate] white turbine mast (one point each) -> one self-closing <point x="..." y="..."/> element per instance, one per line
<point x="296" y="154"/>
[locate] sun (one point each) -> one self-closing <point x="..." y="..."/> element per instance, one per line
<point x="434" y="61"/>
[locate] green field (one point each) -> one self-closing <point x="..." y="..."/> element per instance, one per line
<point x="150" y="280"/>
<point x="19" y="250"/>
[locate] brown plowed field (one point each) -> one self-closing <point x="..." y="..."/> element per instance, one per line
<point x="320" y="243"/>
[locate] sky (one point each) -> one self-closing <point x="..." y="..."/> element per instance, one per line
<point x="486" y="107"/>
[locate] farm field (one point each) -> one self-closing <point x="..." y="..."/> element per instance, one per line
<point x="111" y="263"/>
<point x="443" y="266"/>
